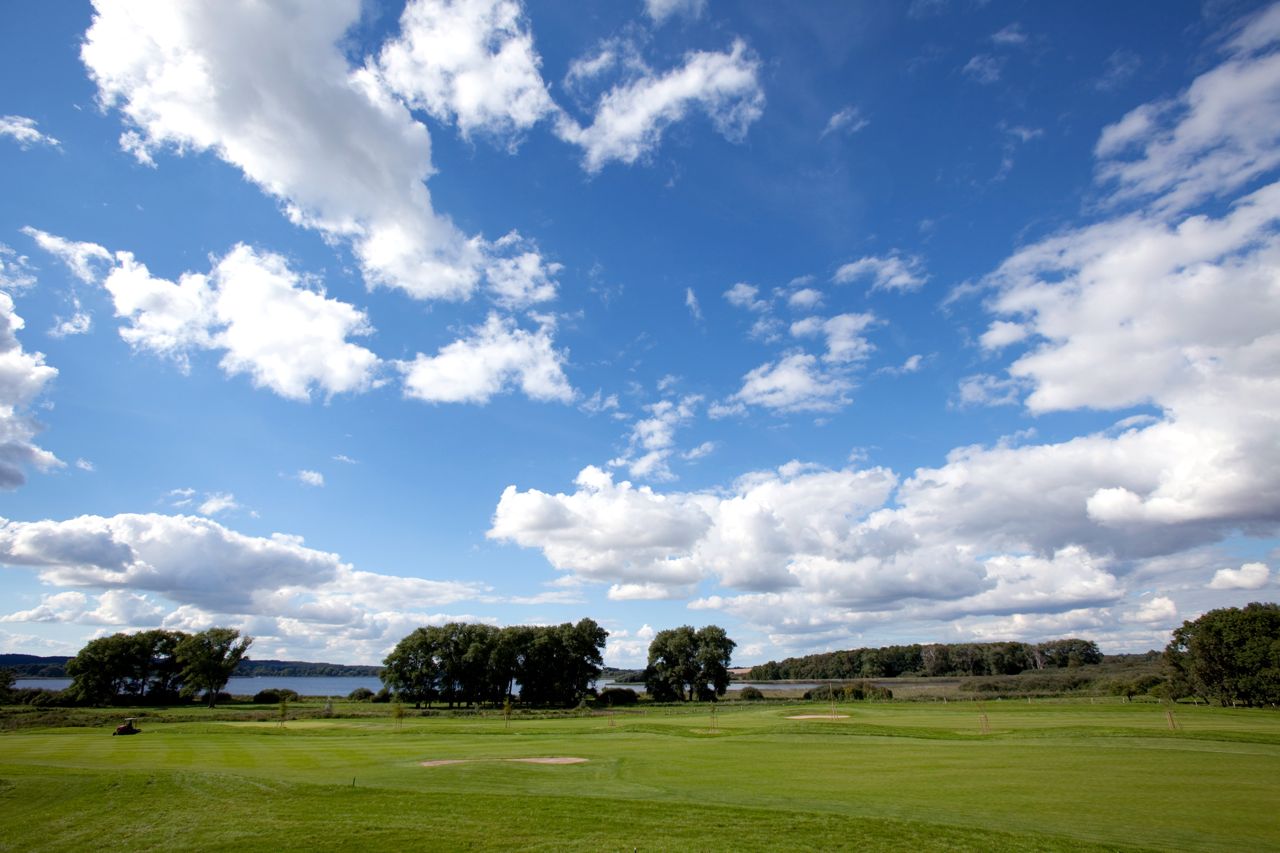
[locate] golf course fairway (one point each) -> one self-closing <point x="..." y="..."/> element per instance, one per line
<point x="955" y="776"/>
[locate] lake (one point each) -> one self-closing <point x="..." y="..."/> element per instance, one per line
<point x="340" y="686"/>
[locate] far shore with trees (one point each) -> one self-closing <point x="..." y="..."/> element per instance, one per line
<point x="1229" y="656"/>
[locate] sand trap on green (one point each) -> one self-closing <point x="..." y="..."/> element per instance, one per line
<point x="556" y="759"/>
<point x="819" y="717"/>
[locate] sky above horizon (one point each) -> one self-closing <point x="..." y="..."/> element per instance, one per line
<point x="836" y="324"/>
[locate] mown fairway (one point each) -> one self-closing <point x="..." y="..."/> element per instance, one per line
<point x="901" y="776"/>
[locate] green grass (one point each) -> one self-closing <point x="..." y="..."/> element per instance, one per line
<point x="1048" y="776"/>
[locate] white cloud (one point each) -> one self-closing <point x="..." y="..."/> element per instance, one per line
<point x="311" y="478"/>
<point x="1211" y="140"/>
<point x="198" y="572"/>
<point x="661" y="10"/>
<point x="983" y="68"/>
<point x="653" y="439"/>
<point x="1159" y="609"/>
<point x="743" y="295"/>
<point x="267" y="89"/>
<point x="1248" y="576"/>
<point x="1011" y="36"/>
<point x="805" y="299"/>
<point x="79" y="323"/>
<point x="85" y="260"/>
<point x="15" y="271"/>
<point x="845" y="341"/>
<point x="25" y="132"/>
<point x="889" y="272"/>
<point x="847" y="121"/>
<point x="1002" y="333"/>
<point x="517" y="274"/>
<point x="630" y="118"/>
<point x="85" y="465"/>
<point x="794" y="383"/>
<point x="471" y="62"/>
<point x="217" y="502"/>
<point x="691" y="302"/>
<point x="493" y="358"/>
<point x="269" y="324"/>
<point x="23" y="378"/>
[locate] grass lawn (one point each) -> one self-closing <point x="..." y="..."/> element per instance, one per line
<point x="1046" y="776"/>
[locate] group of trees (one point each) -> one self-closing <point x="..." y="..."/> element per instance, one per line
<point x="1231" y="656"/>
<point x="935" y="659"/>
<point x="685" y="664"/>
<point x="154" y="667"/>
<point x="472" y="664"/>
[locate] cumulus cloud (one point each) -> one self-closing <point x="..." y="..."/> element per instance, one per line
<point x="470" y="62"/>
<point x="889" y="272"/>
<point x="653" y="439"/>
<point x="25" y="132"/>
<point x="631" y="117"/>
<point x="794" y="383"/>
<point x="493" y="358"/>
<point x="311" y="478"/>
<point x="280" y="330"/>
<point x="267" y="89"/>
<point x="743" y="295"/>
<point x="15" y="271"/>
<point x="1248" y="576"/>
<point x="1170" y="309"/>
<point x="843" y="332"/>
<point x="1210" y="140"/>
<point x="23" y="378"/>
<point x="188" y="573"/>
<point x="85" y="260"/>
<point x="517" y="275"/>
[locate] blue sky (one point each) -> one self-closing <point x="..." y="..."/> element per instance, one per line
<point x="837" y="324"/>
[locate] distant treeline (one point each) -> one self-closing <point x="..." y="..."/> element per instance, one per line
<point x="935" y="659"/>
<point x="55" y="666"/>
<point x="302" y="669"/>
<point x="35" y="666"/>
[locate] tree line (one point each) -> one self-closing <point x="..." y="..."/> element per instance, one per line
<point x="933" y="659"/>
<point x="474" y="664"/>
<point x="155" y="667"/>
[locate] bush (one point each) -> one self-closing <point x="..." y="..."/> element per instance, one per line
<point x="612" y="697"/>
<point x="751" y="694"/>
<point x="360" y="694"/>
<point x="856" y="691"/>
<point x="270" y="696"/>
<point x="383" y="695"/>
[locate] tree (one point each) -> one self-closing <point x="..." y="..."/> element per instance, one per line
<point x="412" y="670"/>
<point x="7" y="679"/>
<point x="208" y="658"/>
<point x="686" y="664"/>
<point x="1231" y="655"/>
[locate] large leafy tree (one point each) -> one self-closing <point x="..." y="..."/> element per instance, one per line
<point x="208" y="658"/>
<point x="1231" y="656"/>
<point x="686" y="664"/>
<point x="132" y="667"/>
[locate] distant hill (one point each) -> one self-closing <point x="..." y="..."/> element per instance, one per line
<point x="304" y="669"/>
<point x="35" y="666"/>
<point x="55" y="666"/>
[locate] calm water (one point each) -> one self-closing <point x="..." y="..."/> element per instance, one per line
<point x="339" y="686"/>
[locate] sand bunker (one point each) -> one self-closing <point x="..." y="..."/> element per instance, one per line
<point x="819" y="717"/>
<point x="559" y="759"/>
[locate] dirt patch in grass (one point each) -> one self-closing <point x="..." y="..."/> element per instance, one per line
<point x="819" y="717"/>
<point x="559" y="759"/>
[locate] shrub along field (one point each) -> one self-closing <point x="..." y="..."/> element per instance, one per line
<point x="990" y="775"/>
